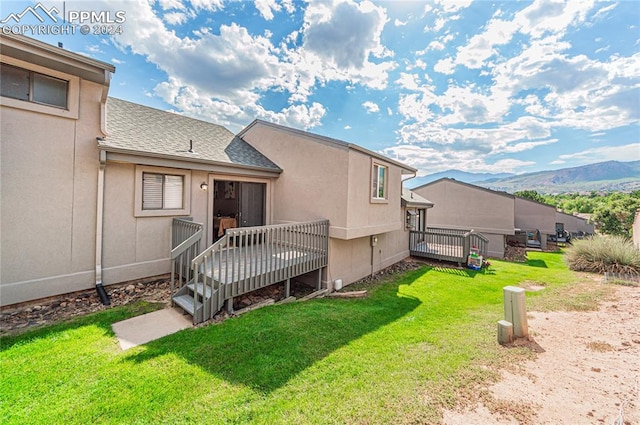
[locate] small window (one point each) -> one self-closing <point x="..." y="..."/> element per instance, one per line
<point x="411" y="219"/>
<point x="162" y="191"/>
<point x="21" y="84"/>
<point x="379" y="189"/>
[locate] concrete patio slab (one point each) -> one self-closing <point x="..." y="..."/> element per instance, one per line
<point x="148" y="327"/>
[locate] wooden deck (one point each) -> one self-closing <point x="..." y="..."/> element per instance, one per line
<point x="253" y="265"/>
<point x="247" y="259"/>
<point x="446" y="244"/>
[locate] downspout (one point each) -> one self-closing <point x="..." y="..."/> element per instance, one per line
<point x="104" y="297"/>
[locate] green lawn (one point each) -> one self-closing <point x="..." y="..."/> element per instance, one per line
<point x="412" y="347"/>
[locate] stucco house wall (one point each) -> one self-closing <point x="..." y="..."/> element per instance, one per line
<point x="49" y="162"/>
<point x="531" y="215"/>
<point x="137" y="247"/>
<point x="571" y="222"/>
<point x="324" y="178"/>
<point x="459" y="205"/>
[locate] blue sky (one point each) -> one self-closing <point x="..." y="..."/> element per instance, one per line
<point x="481" y="86"/>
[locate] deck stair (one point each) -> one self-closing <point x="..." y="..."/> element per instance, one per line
<point x="244" y="260"/>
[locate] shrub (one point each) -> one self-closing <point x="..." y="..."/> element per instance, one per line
<point x="601" y="254"/>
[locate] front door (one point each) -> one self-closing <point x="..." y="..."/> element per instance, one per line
<point x="251" y="204"/>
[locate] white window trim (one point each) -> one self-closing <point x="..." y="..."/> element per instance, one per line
<point x="373" y="199"/>
<point x="186" y="193"/>
<point x="73" y="91"/>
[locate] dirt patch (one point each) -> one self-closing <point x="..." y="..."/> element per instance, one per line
<point x="515" y="254"/>
<point x="19" y="317"/>
<point x="586" y="370"/>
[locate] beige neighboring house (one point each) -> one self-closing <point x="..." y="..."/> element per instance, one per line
<point x="92" y="186"/>
<point x="635" y="229"/>
<point x="52" y="108"/>
<point x="536" y="219"/>
<point x="463" y="206"/>
<point x="574" y="225"/>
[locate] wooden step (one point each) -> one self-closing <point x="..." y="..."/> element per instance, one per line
<point x="207" y="289"/>
<point x="187" y="303"/>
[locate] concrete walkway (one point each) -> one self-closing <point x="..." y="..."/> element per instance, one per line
<point x="151" y="326"/>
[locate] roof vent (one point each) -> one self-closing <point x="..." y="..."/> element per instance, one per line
<point x="190" y="146"/>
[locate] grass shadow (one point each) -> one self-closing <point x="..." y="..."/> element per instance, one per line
<point x="537" y="263"/>
<point x="266" y="348"/>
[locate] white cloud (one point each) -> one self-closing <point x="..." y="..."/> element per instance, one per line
<point x="445" y="66"/>
<point x="399" y="23"/>
<point x="435" y="45"/>
<point x="117" y="61"/>
<point x="371" y="107"/>
<point x="432" y="160"/>
<point x="600" y="13"/>
<point x="346" y="33"/>
<point x="267" y="7"/>
<point x="171" y="4"/>
<point x="93" y="48"/>
<point x="452" y="6"/>
<point x="175" y="18"/>
<point x="211" y="5"/>
<point x="605" y="153"/>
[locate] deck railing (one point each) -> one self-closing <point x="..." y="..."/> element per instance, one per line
<point x="186" y="243"/>
<point x="447" y="244"/>
<point x="250" y="258"/>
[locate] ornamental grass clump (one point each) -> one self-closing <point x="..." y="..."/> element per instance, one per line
<point x="604" y="254"/>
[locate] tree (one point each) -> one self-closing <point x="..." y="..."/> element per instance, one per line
<point x="616" y="215"/>
<point x="530" y="194"/>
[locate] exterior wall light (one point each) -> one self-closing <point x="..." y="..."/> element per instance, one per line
<point x="204" y="186"/>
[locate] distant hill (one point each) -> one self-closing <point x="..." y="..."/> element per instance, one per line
<point x="462" y="176"/>
<point x="602" y="176"/>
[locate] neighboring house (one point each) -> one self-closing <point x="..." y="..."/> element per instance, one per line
<point x="635" y="229"/>
<point x="572" y="224"/>
<point x="535" y="218"/>
<point x="52" y="110"/>
<point x="91" y="185"/>
<point x="463" y="206"/>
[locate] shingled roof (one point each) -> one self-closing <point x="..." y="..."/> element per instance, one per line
<point x="140" y="130"/>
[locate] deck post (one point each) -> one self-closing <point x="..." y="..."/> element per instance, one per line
<point x="229" y="305"/>
<point x="287" y="288"/>
<point x="319" y="283"/>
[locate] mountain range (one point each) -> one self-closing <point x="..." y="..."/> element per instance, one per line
<point x="600" y="177"/>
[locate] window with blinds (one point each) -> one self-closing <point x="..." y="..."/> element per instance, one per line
<point x="162" y="191"/>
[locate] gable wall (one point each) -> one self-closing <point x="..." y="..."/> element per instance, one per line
<point x="460" y="206"/>
<point x="531" y="215"/>
<point x="313" y="183"/>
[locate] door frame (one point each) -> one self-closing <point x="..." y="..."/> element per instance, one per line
<point x="268" y="198"/>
